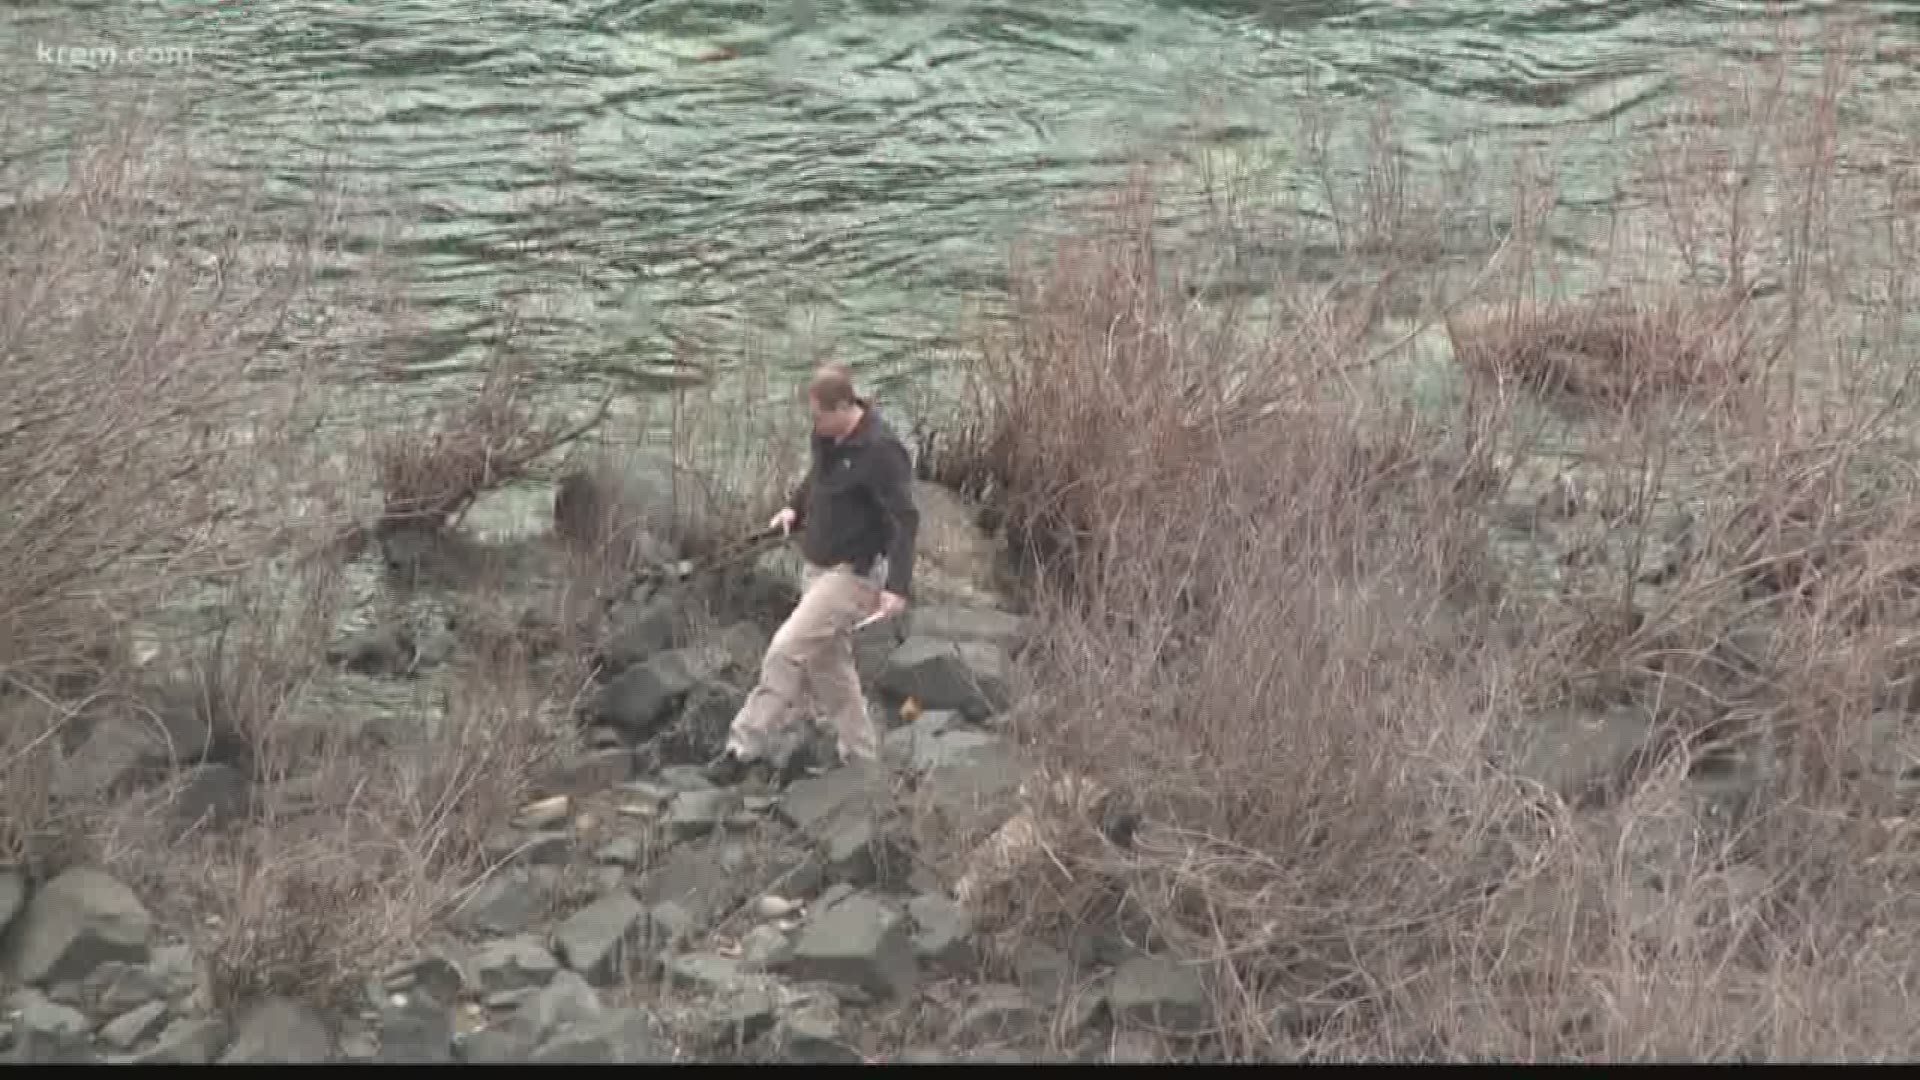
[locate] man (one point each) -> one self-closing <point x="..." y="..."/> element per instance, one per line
<point x="857" y="525"/>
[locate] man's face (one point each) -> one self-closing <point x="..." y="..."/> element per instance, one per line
<point x="830" y="423"/>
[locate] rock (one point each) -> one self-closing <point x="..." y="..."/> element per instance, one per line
<point x="514" y="964"/>
<point x="809" y="1034"/>
<point x="999" y="1055"/>
<point x="736" y="1021"/>
<point x="382" y="650"/>
<point x="173" y="967"/>
<point x="840" y="891"/>
<point x="859" y="942"/>
<point x="679" y="778"/>
<point x="871" y="647"/>
<point x="548" y="847"/>
<point x="416" y="1029"/>
<point x="433" y="647"/>
<point x="700" y="734"/>
<point x="128" y="1029"/>
<point x="620" y="851"/>
<point x="590" y="772"/>
<point x="840" y="813"/>
<point x="13" y="897"/>
<point x="943" y="933"/>
<point x="1159" y="992"/>
<point x="855" y="851"/>
<point x="811" y="805"/>
<point x="594" y="940"/>
<point x="692" y="889"/>
<point x="214" y="795"/>
<point x="650" y="792"/>
<point x="113" y="753"/>
<point x="617" y="510"/>
<point x="745" y="645"/>
<point x="1134" y="1048"/>
<point x="495" y="1046"/>
<point x="954" y="746"/>
<point x="1579" y="753"/>
<point x="565" y="1002"/>
<point x="956" y="560"/>
<point x="998" y="1012"/>
<point x="48" y="1020"/>
<point x="124" y="986"/>
<point x="764" y="947"/>
<point x="774" y="907"/>
<point x="76" y="922"/>
<point x="953" y="622"/>
<point x="544" y="814"/>
<point x="359" y="1047"/>
<point x="434" y="973"/>
<point x="972" y="790"/>
<point x="505" y="903"/>
<point x="901" y="746"/>
<point x="694" y="814"/>
<point x="708" y="972"/>
<point x="280" y="1031"/>
<point x="969" y="677"/>
<point x="189" y="1041"/>
<point x="644" y="697"/>
<point x="625" y="1037"/>
<point x="641" y="633"/>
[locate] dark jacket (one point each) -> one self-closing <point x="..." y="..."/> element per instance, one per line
<point x="856" y="503"/>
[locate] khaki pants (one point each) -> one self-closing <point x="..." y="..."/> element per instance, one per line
<point x="813" y="651"/>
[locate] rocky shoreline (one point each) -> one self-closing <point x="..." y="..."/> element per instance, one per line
<point x="634" y="911"/>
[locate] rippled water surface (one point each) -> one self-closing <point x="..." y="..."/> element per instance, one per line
<point x="840" y="174"/>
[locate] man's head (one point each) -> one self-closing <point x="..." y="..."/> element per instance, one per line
<point x="832" y="401"/>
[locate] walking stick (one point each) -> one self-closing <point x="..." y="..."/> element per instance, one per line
<point x="656" y="576"/>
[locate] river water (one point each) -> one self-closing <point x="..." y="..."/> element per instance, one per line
<point x="794" y="178"/>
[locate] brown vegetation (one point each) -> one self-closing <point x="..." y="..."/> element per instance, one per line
<point x="428" y="479"/>
<point x="146" y="470"/>
<point x="1273" y="617"/>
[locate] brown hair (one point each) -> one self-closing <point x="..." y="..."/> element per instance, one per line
<point x="832" y="387"/>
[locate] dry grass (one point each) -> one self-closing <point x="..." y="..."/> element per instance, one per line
<point x="1271" y="616"/>
<point x="429" y="478"/>
<point x="147" y="472"/>
<point x="113" y="472"/>
<point x="1613" y="352"/>
<point x="737" y="452"/>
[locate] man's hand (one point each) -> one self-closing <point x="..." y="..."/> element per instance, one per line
<point x="891" y="605"/>
<point x="784" y="520"/>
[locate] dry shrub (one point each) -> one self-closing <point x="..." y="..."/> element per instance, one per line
<point x="1609" y="352"/>
<point x="1274" y="622"/>
<point x="429" y="477"/>
<point x="351" y="855"/>
<point x="1088" y="420"/>
<point x="142" y="444"/>
<point x="138" y="439"/>
<point x="739" y="447"/>
<point x="126" y="340"/>
<point x="1249" y="601"/>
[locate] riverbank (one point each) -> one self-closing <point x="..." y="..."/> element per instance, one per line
<point x="1376" y="668"/>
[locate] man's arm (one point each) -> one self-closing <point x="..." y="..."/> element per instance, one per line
<point x="797" y="502"/>
<point x="893" y="489"/>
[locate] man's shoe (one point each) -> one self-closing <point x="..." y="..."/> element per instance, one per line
<point x="728" y="770"/>
<point x="795" y="769"/>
